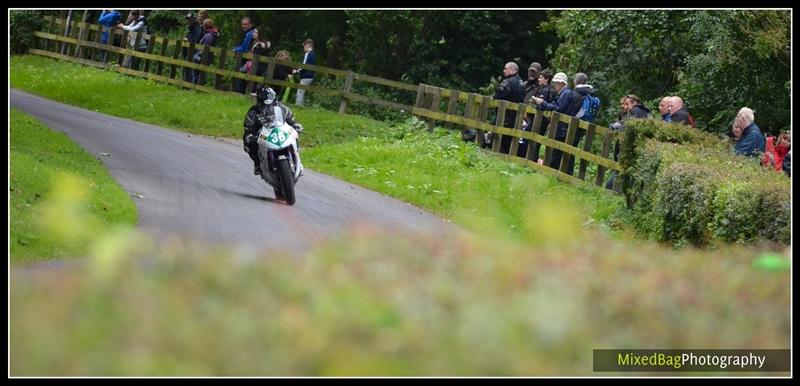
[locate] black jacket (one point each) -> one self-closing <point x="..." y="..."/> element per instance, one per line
<point x="194" y="32"/>
<point x="510" y="89"/>
<point x="681" y="116"/>
<point x="255" y="118"/>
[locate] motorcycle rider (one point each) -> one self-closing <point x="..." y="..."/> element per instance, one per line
<point x="263" y="114"/>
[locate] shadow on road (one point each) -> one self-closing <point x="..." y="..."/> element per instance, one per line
<point x="248" y="195"/>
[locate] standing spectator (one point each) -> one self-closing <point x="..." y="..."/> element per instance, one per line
<point x="282" y="71"/>
<point x="787" y="164"/>
<point x="244" y="46"/>
<point x="194" y="32"/>
<point x="306" y="76"/>
<point x="510" y="89"/>
<point x="108" y="19"/>
<point x="202" y="15"/>
<point x="531" y="88"/>
<point x="776" y="150"/>
<point x="261" y="47"/>
<point x="531" y="85"/>
<point x="547" y="94"/>
<point x="631" y="108"/>
<point x="208" y="39"/>
<point x="678" y="112"/>
<point x="663" y="109"/>
<point x="589" y="105"/>
<point x="138" y="24"/>
<point x="750" y="142"/>
<point x="564" y="104"/>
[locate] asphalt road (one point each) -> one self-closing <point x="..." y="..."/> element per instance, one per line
<point x="204" y="188"/>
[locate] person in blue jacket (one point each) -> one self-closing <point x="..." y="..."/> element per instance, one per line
<point x="564" y="105"/>
<point x="108" y="18"/>
<point x="749" y="140"/>
<point x="244" y="47"/>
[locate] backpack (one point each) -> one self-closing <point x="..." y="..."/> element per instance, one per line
<point x="590" y="104"/>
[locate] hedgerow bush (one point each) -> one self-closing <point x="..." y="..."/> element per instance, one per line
<point x="21" y="27"/>
<point x="687" y="186"/>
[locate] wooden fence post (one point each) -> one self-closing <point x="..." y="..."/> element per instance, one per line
<point x="482" y="115"/>
<point x="173" y="70"/>
<point x="435" y="100"/>
<point x="223" y="53"/>
<point x="123" y="43"/>
<point x="348" y="88"/>
<point x="204" y="60"/>
<point x="517" y="126"/>
<point x="537" y="122"/>
<point x="601" y="170"/>
<point x="164" y="47"/>
<point x="551" y="133"/>
<point x="502" y="105"/>
<point x="451" y="106"/>
<point x="587" y="146"/>
<point x="572" y="130"/>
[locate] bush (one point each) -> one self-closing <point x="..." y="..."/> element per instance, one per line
<point x="686" y="186"/>
<point x="22" y="25"/>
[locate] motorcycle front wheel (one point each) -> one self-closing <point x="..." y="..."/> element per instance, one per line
<point x="287" y="181"/>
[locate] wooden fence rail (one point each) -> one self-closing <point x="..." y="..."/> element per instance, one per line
<point x="164" y="57"/>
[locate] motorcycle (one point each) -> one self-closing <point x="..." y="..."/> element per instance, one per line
<point x="280" y="159"/>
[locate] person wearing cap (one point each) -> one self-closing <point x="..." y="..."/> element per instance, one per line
<point x="564" y="104"/>
<point x="531" y="85"/>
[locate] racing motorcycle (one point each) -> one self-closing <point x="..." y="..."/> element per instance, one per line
<point x="279" y="158"/>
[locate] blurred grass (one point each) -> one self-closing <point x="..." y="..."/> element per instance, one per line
<point x="40" y="159"/>
<point x="436" y="171"/>
<point x="375" y="303"/>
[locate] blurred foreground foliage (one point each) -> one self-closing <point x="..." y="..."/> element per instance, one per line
<point x="373" y="302"/>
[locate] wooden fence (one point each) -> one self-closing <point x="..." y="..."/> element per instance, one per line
<point x="163" y="58"/>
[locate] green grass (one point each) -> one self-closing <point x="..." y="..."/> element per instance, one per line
<point x="41" y="157"/>
<point x="437" y="172"/>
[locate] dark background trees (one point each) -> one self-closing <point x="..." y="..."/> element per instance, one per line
<point x="718" y="60"/>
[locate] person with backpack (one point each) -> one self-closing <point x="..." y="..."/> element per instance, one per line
<point x="137" y="24"/>
<point x="588" y="110"/>
<point x="209" y="39"/>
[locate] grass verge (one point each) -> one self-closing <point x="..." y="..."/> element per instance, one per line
<point x="40" y="159"/>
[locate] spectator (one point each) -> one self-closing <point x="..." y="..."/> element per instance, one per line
<point x="208" y="39"/>
<point x="564" y="104"/>
<point x="261" y="47"/>
<point x="194" y="32"/>
<point x="138" y="24"/>
<point x="531" y="85"/>
<point x="548" y="95"/>
<point x="787" y="164"/>
<point x="663" y="109"/>
<point x="244" y="46"/>
<point x="531" y="88"/>
<point x="306" y="76"/>
<point x="282" y="71"/>
<point x="108" y="19"/>
<point x="678" y="112"/>
<point x="582" y="91"/>
<point x="776" y="150"/>
<point x="510" y="89"/>
<point x="631" y="108"/>
<point x="750" y="142"/>
<point x="202" y="15"/>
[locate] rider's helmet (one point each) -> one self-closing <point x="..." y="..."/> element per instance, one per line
<point x="266" y="96"/>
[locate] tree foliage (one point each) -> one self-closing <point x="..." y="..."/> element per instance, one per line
<point x="718" y="61"/>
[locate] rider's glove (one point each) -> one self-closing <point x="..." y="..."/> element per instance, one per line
<point x="298" y="127"/>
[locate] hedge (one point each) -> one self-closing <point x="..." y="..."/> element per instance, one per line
<point x="686" y="186"/>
